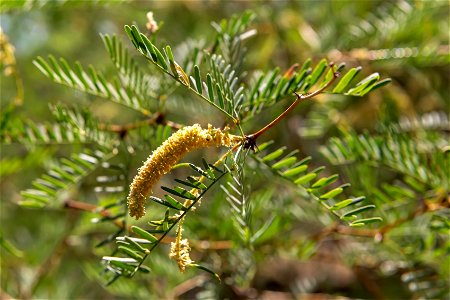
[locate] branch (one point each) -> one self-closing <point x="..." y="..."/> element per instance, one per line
<point x="83" y="206"/>
<point x="251" y="138"/>
<point x="122" y="130"/>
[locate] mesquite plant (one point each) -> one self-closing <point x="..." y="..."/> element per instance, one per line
<point x="238" y="102"/>
<point x="148" y="212"/>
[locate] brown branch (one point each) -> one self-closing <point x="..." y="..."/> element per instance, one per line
<point x="83" y="206"/>
<point x="122" y="130"/>
<point x="251" y="138"/>
<point x="172" y="124"/>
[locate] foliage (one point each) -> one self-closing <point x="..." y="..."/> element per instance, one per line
<point x="384" y="191"/>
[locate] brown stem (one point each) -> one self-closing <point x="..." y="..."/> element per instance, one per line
<point x="172" y="124"/>
<point x="93" y="209"/>
<point x="122" y="130"/>
<point x="251" y="138"/>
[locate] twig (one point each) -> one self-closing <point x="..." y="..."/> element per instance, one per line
<point x="83" y="206"/>
<point x="122" y="130"/>
<point x="251" y="138"/>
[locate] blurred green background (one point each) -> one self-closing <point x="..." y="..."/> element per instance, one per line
<point x="55" y="258"/>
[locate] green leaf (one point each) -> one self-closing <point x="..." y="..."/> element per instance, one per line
<point x="40" y="63"/>
<point x="306" y="65"/>
<point x="324" y="181"/>
<point x="274" y="155"/>
<point x="253" y="94"/>
<point x="121" y="265"/>
<point x="331" y="194"/>
<point x="316" y="74"/>
<point x="130" y="252"/>
<point x="198" y="80"/>
<point x="268" y="86"/>
<point x="137" y="37"/>
<point x="144" y="234"/>
<point x="170" y="58"/>
<point x="162" y="202"/>
<point x="169" y="54"/>
<point x="209" y="175"/>
<point x="363" y="84"/>
<point x="131" y="36"/>
<point x="263" y="146"/>
<point x="318" y="170"/>
<point x="136" y="245"/>
<point x="284" y="163"/>
<point x="150" y="49"/>
<point x="41" y="185"/>
<point x="347" y="202"/>
<point x="180" y="192"/>
<point x="362" y="222"/>
<point x="270" y="228"/>
<point x="219" y="96"/>
<point x="192" y="183"/>
<point x="282" y="86"/>
<point x="160" y="59"/>
<point x="305" y="178"/>
<point x="357" y="211"/>
<point x="376" y="85"/>
<point x="10" y="248"/>
<point x="34" y="201"/>
<point x="144" y="269"/>
<point x="174" y="202"/>
<point x="295" y="171"/>
<point x="346" y="79"/>
<point x="209" y="84"/>
<point x="55" y="68"/>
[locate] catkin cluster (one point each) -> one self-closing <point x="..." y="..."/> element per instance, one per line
<point x="179" y="250"/>
<point x="167" y="155"/>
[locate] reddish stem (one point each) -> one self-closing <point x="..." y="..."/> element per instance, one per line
<point x="251" y="138"/>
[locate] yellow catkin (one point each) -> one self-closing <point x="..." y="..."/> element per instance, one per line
<point x="167" y="155"/>
<point x="179" y="250"/>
